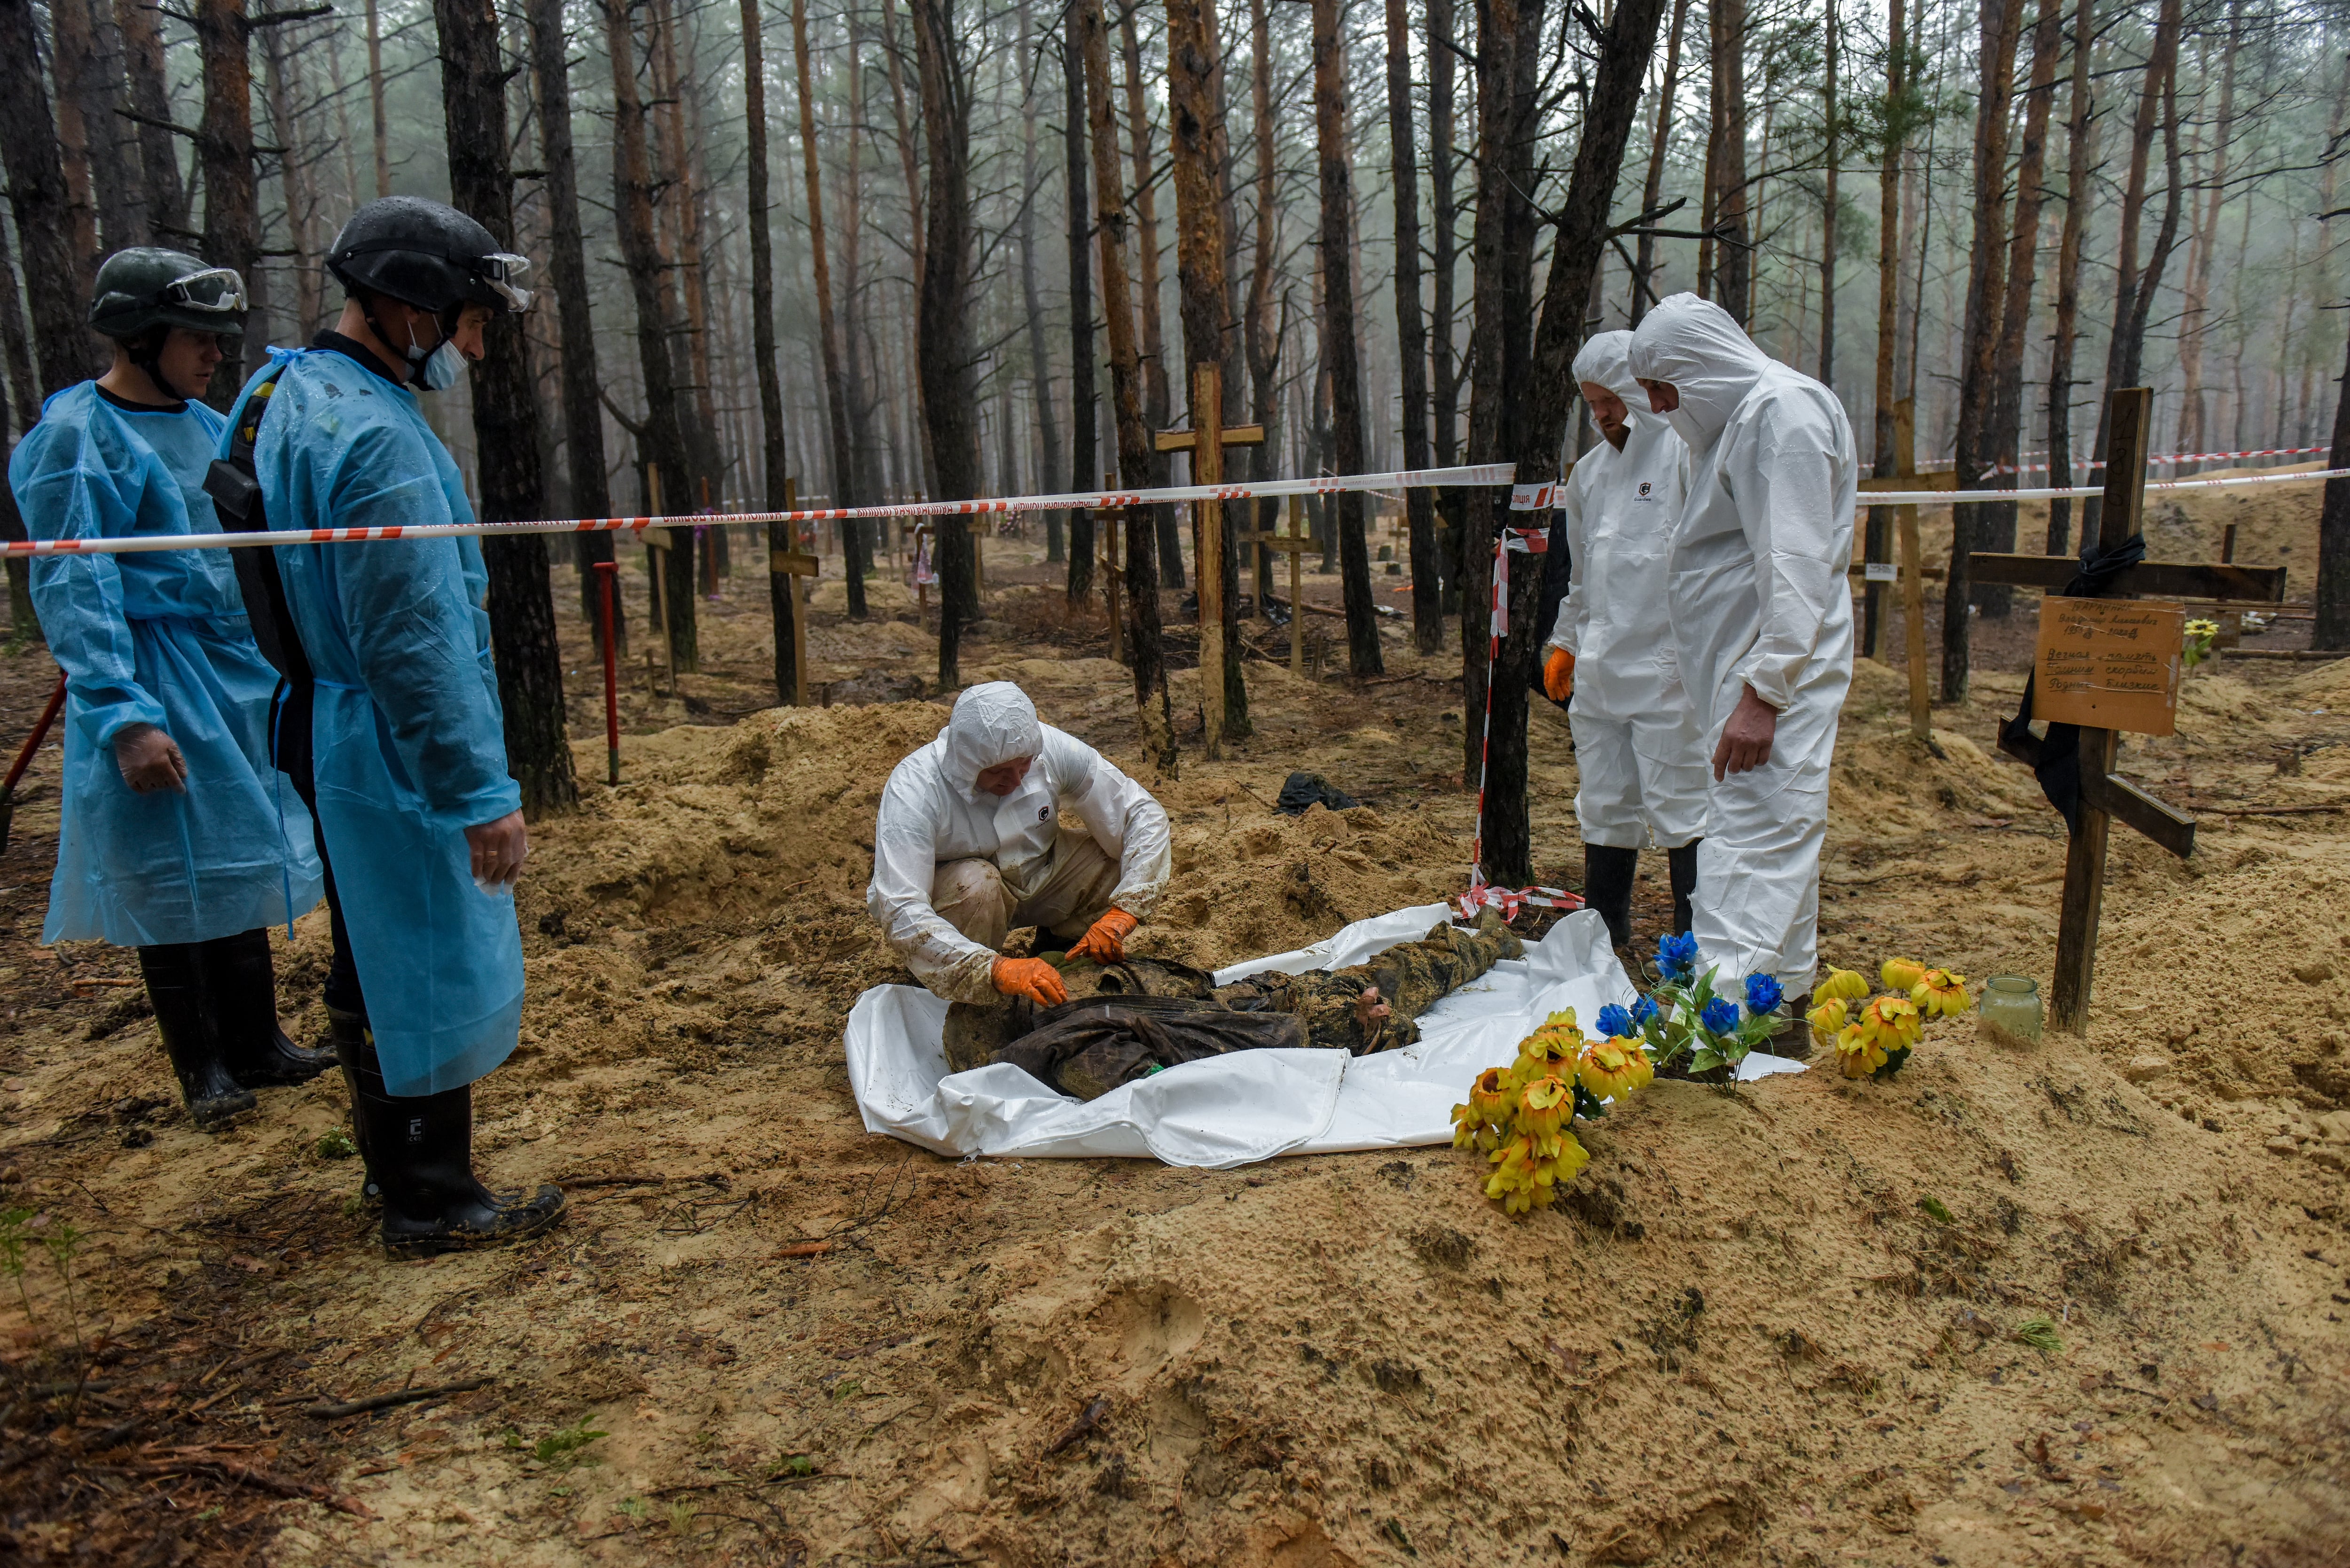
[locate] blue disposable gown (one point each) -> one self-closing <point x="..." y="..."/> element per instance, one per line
<point x="407" y="736"/>
<point x="156" y="639"/>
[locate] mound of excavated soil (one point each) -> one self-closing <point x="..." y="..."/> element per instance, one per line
<point x="1780" y="1324"/>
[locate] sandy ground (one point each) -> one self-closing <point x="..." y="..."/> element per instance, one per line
<point x="1746" y="1338"/>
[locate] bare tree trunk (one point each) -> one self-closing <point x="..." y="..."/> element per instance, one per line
<point x="661" y="440"/>
<point x="1040" y="360"/>
<point x="1734" y="269"/>
<point x="232" y="236"/>
<point x="88" y="67"/>
<point x="2080" y="154"/>
<point x="836" y="383"/>
<point x="505" y="423"/>
<point x="1829" y="158"/>
<point x="1158" y="405"/>
<point x="1260" y="335"/>
<point x="2002" y="21"/>
<point x="1444" y="213"/>
<point x="782" y="596"/>
<point x="69" y="63"/>
<point x="1644" y="255"/>
<point x="37" y="196"/>
<point x="950" y="398"/>
<point x="583" y="414"/>
<point x="1996" y="523"/>
<point x="1878" y="545"/>
<point x="2133" y="289"/>
<point x="150" y="96"/>
<point x="683" y="193"/>
<point x="16" y="340"/>
<point x="1546" y="400"/>
<point x="864" y="382"/>
<point x="1085" y="461"/>
<point x="1411" y="332"/>
<point x="382" y="124"/>
<point x="2194" y="319"/>
<point x="281" y="83"/>
<point x="1338" y="350"/>
<point x="2333" y="585"/>
<point x="1153" y="708"/>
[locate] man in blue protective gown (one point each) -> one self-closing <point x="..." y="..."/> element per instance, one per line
<point x="175" y="838"/>
<point x="390" y="724"/>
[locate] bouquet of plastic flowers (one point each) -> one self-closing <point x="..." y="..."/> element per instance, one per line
<point x="1873" y="1035"/>
<point x="2201" y="637"/>
<point x="1521" y="1117"/>
<point x="1685" y="1015"/>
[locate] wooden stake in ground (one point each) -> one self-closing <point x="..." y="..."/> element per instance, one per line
<point x="2104" y="793"/>
<point x="790" y="569"/>
<point x="1206" y="440"/>
<point x="1294" y="544"/>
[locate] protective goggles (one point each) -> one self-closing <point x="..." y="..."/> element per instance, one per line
<point x="504" y="271"/>
<point x="216" y="288"/>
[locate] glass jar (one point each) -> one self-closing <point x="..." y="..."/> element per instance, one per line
<point x="2010" y="1010"/>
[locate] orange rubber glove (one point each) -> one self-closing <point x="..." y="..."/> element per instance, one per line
<point x="1106" y="941"/>
<point x="1558" y="675"/>
<point x="1035" y="979"/>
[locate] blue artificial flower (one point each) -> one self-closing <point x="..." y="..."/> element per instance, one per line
<point x="1720" y="1015"/>
<point x="1644" y="1011"/>
<point x="1763" y="993"/>
<point x="1677" y="956"/>
<point x="1614" y="1022"/>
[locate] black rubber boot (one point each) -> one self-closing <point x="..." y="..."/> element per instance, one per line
<point x="1683" y="862"/>
<point x="243" y="986"/>
<point x="347" y="1040"/>
<point x="422" y="1149"/>
<point x="1607" y="874"/>
<point x="183" y="1017"/>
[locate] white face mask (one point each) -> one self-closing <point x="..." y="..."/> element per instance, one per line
<point x="443" y="366"/>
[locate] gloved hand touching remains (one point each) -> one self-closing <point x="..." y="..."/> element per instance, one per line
<point x="1558" y="675"/>
<point x="1105" y="942"/>
<point x="1035" y="979"/>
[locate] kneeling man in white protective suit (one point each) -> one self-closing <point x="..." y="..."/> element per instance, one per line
<point x="1762" y="615"/>
<point x="1640" y="749"/>
<point x="969" y="846"/>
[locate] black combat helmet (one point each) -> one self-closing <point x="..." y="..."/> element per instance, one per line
<point x="145" y="287"/>
<point x="428" y="255"/>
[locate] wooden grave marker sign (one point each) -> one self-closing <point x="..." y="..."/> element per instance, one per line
<point x="1294" y="544"/>
<point x="794" y="567"/>
<point x="2105" y="794"/>
<point x="1206" y="440"/>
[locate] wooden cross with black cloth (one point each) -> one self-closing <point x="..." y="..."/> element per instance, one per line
<point x="1206" y="440"/>
<point x="2104" y="793"/>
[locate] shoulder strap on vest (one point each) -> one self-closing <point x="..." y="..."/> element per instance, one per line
<point x="235" y="489"/>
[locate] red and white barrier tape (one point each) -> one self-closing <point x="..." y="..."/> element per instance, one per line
<point x="1093" y="501"/>
<point x="2079" y="492"/>
<point x="2166" y="457"/>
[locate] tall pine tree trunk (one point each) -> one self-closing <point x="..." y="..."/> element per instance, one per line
<point x="1652" y="191"/>
<point x="1040" y="359"/>
<point x="1733" y="276"/>
<point x="1158" y="405"/>
<point x="836" y="379"/>
<point x="583" y="414"/>
<point x="1411" y="333"/>
<point x="2080" y="155"/>
<point x="69" y="63"/>
<point x="2195" y="317"/>
<point x="2003" y="20"/>
<point x="232" y="235"/>
<point x="37" y="196"/>
<point x="1829" y="158"/>
<point x="505" y="423"/>
<point x="1085" y="461"/>
<point x="945" y="357"/>
<point x="783" y="596"/>
<point x="150" y="93"/>
<point x="1334" y="160"/>
<point x="1261" y="332"/>
<point x="1444" y="216"/>
<point x="1145" y="655"/>
<point x="2006" y="443"/>
<point x="1878" y="545"/>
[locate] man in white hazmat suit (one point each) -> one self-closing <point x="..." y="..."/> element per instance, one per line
<point x="1762" y="614"/>
<point x="1638" y="747"/>
<point x="968" y="846"/>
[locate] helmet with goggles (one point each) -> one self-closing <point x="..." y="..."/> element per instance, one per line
<point x="147" y="286"/>
<point x="428" y="255"/>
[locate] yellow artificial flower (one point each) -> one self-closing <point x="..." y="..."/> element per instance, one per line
<point x="1841" y="985"/>
<point x="1940" y="993"/>
<point x="1611" y="1069"/>
<point x="1830" y="1016"/>
<point x="1858" y="1053"/>
<point x="2202" y="628"/>
<point x="1489" y="1098"/>
<point x="1568" y="1163"/>
<point x="1899" y="974"/>
<point x="1892" y="1022"/>
<point x="1544" y="1107"/>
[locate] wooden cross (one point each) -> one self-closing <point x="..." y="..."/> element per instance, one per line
<point x="792" y="567"/>
<point x="1206" y="440"/>
<point x="2105" y="794"/>
<point x="1294" y="544"/>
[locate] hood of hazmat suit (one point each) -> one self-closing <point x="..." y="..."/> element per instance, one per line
<point x="407" y="736"/>
<point x="932" y="811"/>
<point x="1760" y="598"/>
<point x="1620" y="507"/>
<point x="154" y="638"/>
